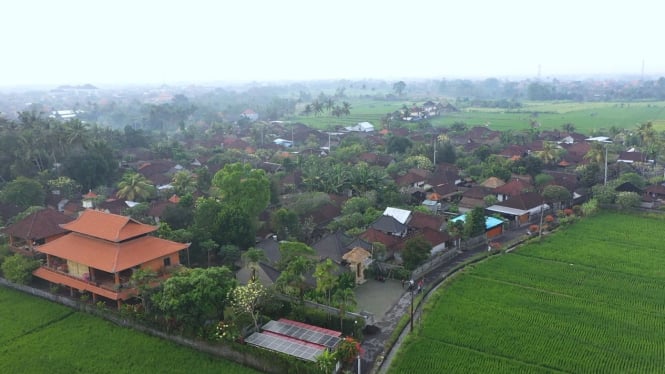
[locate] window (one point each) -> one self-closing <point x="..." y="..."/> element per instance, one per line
<point x="167" y="261"/>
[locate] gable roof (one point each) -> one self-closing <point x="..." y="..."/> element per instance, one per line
<point x="270" y="249"/>
<point x="628" y="187"/>
<point x="421" y="220"/>
<point x="110" y="256"/>
<point x="388" y="224"/>
<point x="39" y="225"/>
<point x="525" y="201"/>
<point x="435" y="237"/>
<point x="356" y="255"/>
<point x="332" y="246"/>
<point x="107" y="226"/>
<point x="372" y="235"/>
<point x="492" y="182"/>
<point x="512" y="188"/>
<point x="401" y="215"/>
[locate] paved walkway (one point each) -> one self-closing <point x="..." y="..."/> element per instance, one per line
<point x="374" y="344"/>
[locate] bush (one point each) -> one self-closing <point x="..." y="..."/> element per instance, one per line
<point x="18" y="269"/>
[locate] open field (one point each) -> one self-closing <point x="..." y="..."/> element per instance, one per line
<point x="587" y="117"/>
<point x="38" y="336"/>
<point x="590" y="299"/>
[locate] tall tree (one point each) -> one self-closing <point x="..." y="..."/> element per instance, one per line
<point x="24" y="192"/>
<point x="241" y="185"/>
<point x="251" y="259"/>
<point x="399" y="87"/>
<point x="134" y="186"/>
<point x="247" y="299"/>
<point x="324" y="273"/>
<point x="416" y="251"/>
<point x="550" y="153"/>
<point x="344" y="299"/>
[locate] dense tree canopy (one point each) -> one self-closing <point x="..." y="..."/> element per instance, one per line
<point x="241" y="185"/>
<point x="24" y="192"/>
<point x="194" y="296"/>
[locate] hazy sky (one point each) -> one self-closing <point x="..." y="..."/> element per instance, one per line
<point x="140" y="41"/>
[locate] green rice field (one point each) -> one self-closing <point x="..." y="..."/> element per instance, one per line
<point x="37" y="336"/>
<point x="587" y="118"/>
<point x="587" y="299"/>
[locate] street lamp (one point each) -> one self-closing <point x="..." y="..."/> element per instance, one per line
<point x="605" y="140"/>
<point x="355" y="325"/>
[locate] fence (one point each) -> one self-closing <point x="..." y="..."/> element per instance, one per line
<point x="440" y="258"/>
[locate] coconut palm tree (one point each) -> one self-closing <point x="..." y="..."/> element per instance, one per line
<point x="184" y="182"/>
<point x="646" y="133"/>
<point x="134" y="186"/>
<point x="550" y="153"/>
<point x="596" y="154"/>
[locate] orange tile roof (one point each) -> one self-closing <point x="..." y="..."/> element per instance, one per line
<point x="109" y="256"/>
<point x="90" y="195"/>
<point x="108" y="226"/>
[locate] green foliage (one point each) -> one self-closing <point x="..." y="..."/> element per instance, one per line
<point x="135" y="186"/>
<point x="18" y="268"/>
<point x="240" y="185"/>
<point x="416" y="251"/>
<point x="194" y="296"/>
<point x="474" y="224"/>
<point x="293" y="277"/>
<point x="420" y="162"/>
<point x="626" y="200"/>
<point x="556" y="194"/>
<point x="590" y="207"/>
<point x="307" y="202"/>
<point x="67" y="187"/>
<point x="543" y="179"/>
<point x="604" y="194"/>
<point x="326" y="279"/>
<point x="285" y="224"/>
<point x="23" y="192"/>
<point x="527" y="165"/>
<point x="95" y="166"/>
<point x="247" y="299"/>
<point x="398" y="144"/>
<point x="496" y="166"/>
<point x="634" y="178"/>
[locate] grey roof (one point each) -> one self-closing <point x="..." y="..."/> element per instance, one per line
<point x="388" y="224"/>
<point x="270" y="248"/>
<point x="333" y="246"/>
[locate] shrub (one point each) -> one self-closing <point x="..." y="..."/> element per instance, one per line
<point x="18" y="269"/>
<point x="568" y="212"/>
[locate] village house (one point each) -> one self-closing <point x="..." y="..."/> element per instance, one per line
<point x="100" y="253"/>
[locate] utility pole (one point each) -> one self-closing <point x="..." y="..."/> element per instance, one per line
<point x="605" y="182"/>
<point x="434" y="158"/>
<point x="411" y="308"/>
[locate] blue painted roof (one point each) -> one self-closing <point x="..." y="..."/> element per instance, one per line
<point x="490" y="222"/>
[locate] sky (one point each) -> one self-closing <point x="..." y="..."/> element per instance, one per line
<point x="143" y="41"/>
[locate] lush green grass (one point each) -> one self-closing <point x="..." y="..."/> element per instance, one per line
<point x="38" y="337"/>
<point x="588" y="299"/>
<point x="587" y="117"/>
